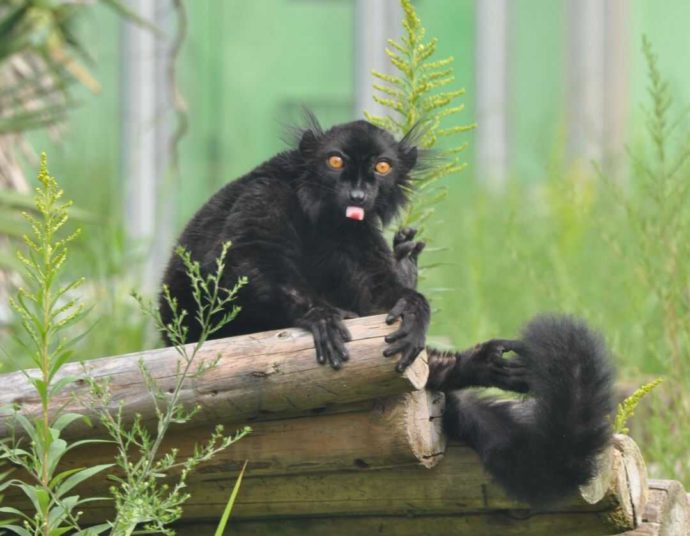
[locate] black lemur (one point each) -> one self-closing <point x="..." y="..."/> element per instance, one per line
<point x="541" y="448"/>
<point x="306" y="230"/>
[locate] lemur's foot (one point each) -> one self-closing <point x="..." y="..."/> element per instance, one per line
<point x="493" y="370"/>
<point x="480" y="366"/>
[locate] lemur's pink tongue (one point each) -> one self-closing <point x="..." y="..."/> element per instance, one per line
<point x="354" y="213"/>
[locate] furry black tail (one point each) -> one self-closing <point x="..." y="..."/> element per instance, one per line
<point x="541" y="448"/>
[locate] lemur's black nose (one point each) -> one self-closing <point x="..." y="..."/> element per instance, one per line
<point x="357" y="196"/>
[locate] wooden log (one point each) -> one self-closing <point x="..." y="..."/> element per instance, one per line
<point x="627" y="494"/>
<point x="399" y="431"/>
<point x="262" y="375"/>
<point x="504" y="523"/>
<point x="666" y="513"/>
<point x="636" y="473"/>
<point x="457" y="485"/>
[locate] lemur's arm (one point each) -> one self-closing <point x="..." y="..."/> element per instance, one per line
<point x="480" y="366"/>
<point x="483" y="365"/>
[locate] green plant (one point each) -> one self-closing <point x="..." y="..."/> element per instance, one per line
<point x="149" y="485"/>
<point x="612" y="253"/>
<point x="659" y="218"/>
<point x="626" y="409"/>
<point x="144" y="500"/>
<point x="45" y="30"/>
<point x="42" y="58"/>
<point x="46" y="309"/>
<point x="417" y="98"/>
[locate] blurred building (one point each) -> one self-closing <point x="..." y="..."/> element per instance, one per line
<point x="547" y="81"/>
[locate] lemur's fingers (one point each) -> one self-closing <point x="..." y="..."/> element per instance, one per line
<point x="318" y="345"/>
<point x="510" y="375"/>
<point x="395" y="348"/>
<point x="343" y="331"/>
<point x="408" y="357"/>
<point x="403" y="331"/>
<point x="397" y="311"/>
<point x="323" y="341"/>
<point x="405" y="249"/>
<point x="331" y="352"/>
<point x="337" y="341"/>
<point x="344" y="313"/>
<point x="418" y="248"/>
<point x="506" y="345"/>
<point x="404" y="235"/>
<point x="516" y="346"/>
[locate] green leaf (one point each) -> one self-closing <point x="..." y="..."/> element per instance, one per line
<point x="59" y="514"/>
<point x="40" y="387"/>
<point x="38" y="496"/>
<point x="57" y="449"/>
<point x="27" y="426"/>
<point x="94" y="531"/>
<point x="20" y="531"/>
<point x="66" y="419"/>
<point x="61" y="476"/>
<point x="231" y="502"/>
<point x="13" y="511"/>
<point x="79" y="477"/>
<point x="82" y="442"/>
<point x="59" y="385"/>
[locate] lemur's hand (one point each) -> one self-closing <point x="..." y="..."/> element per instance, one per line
<point x="484" y="365"/>
<point x="405" y="252"/>
<point x="410" y="338"/>
<point x="330" y="334"/>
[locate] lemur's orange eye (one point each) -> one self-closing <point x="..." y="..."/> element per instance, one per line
<point x="382" y="167"/>
<point x="335" y="162"/>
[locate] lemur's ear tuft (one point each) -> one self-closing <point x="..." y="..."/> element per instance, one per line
<point x="412" y="140"/>
<point x="410" y="155"/>
<point x="310" y="134"/>
<point x="308" y="142"/>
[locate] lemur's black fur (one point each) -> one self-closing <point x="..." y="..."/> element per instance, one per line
<point x="310" y="266"/>
<point x="307" y="263"/>
<point x="541" y="448"/>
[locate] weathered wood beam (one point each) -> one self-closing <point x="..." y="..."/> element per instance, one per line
<point x="667" y="512"/>
<point x="457" y="488"/>
<point x="505" y="523"/>
<point x="458" y="484"/>
<point x="397" y="431"/>
<point x="263" y="375"/>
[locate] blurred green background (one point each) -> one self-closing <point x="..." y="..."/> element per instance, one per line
<point x="567" y="221"/>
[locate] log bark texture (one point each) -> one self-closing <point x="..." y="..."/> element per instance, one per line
<point x="398" y="431"/>
<point x="457" y="485"/>
<point x="667" y="512"/>
<point x="506" y="523"/>
<point x="258" y="376"/>
<point x="457" y="491"/>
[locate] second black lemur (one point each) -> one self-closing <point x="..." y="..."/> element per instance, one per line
<point x="540" y="449"/>
<point x="306" y="231"/>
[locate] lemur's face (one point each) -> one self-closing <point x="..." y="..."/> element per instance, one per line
<point x="355" y="171"/>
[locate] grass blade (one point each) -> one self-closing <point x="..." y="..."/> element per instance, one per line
<point x="231" y="501"/>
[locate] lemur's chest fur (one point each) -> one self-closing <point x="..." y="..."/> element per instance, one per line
<point x="338" y="271"/>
